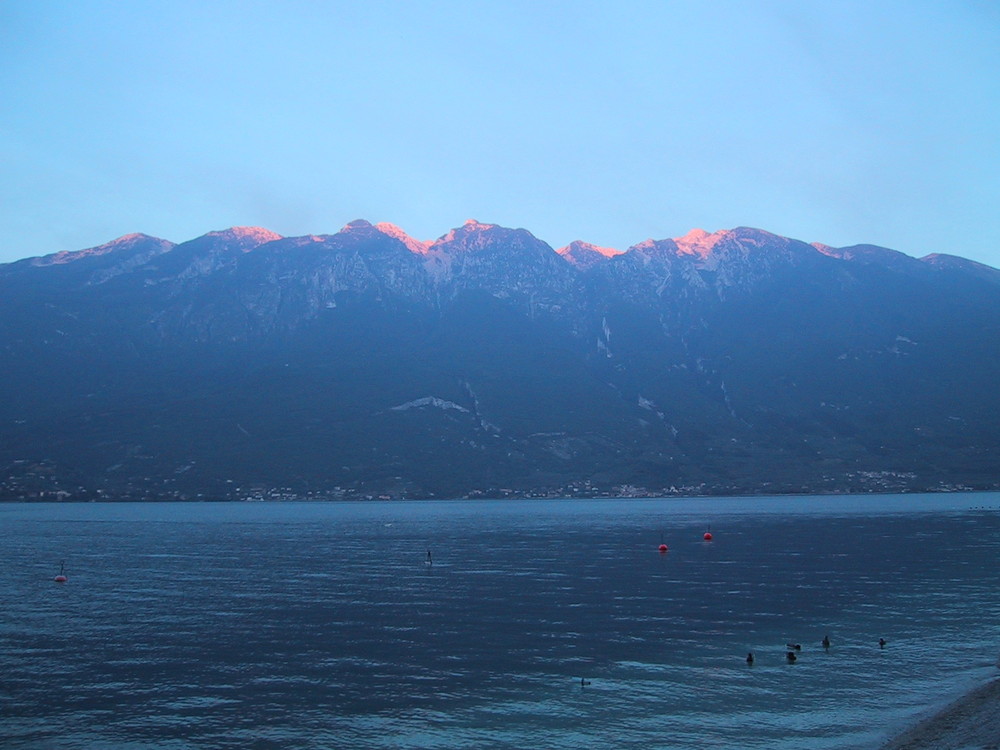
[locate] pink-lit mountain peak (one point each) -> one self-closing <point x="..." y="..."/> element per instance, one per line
<point x="415" y="246"/>
<point x="130" y="239"/>
<point x="122" y="244"/>
<point x="699" y="242"/>
<point x="363" y="228"/>
<point x="475" y="238"/>
<point x="473" y="224"/>
<point x="704" y="247"/>
<point x="584" y="254"/>
<point x="469" y="228"/>
<point x="703" y="244"/>
<point x="247" y="233"/>
<point x="472" y="234"/>
<point x="245" y="238"/>
<point x="607" y="252"/>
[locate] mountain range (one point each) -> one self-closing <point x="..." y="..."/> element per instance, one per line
<point x="366" y="363"/>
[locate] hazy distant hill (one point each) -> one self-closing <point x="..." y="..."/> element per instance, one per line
<point x="369" y="363"/>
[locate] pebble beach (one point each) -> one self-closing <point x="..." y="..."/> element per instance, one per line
<point x="970" y="723"/>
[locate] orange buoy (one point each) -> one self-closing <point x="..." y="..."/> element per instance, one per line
<point x="61" y="578"/>
<point x="663" y="548"/>
<point x="708" y="536"/>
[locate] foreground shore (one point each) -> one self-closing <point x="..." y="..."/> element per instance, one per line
<point x="970" y="723"/>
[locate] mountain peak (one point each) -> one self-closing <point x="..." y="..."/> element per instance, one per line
<point x="123" y="243"/>
<point x="584" y="254"/>
<point x="699" y="242"/>
<point x="471" y="231"/>
<point x="356" y="224"/>
<point x="414" y="245"/>
<point x="474" y="224"/>
<point x="247" y="238"/>
<point x="695" y="235"/>
<point x="702" y="244"/>
<point x="132" y="237"/>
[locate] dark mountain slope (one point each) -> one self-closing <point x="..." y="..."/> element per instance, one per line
<point x="367" y="363"/>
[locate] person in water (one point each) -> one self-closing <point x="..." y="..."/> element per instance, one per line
<point x="881" y="642"/>
<point x="791" y="657"/>
<point x="750" y="658"/>
<point x="429" y="560"/>
<point x="826" y="641"/>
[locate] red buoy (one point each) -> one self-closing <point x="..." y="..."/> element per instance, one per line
<point x="663" y="548"/>
<point x="60" y="579"/>
<point x="708" y="536"/>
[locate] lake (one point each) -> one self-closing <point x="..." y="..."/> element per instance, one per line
<point x="322" y="625"/>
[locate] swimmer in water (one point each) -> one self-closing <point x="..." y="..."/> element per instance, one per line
<point x="826" y="641"/>
<point x="881" y="642"/>
<point x="791" y="657"/>
<point x="750" y="658"/>
<point x="583" y="682"/>
<point x="429" y="560"/>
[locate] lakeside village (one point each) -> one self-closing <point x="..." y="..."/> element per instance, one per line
<point x="39" y="482"/>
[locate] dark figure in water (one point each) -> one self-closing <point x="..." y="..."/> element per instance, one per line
<point x="881" y="642"/>
<point x="826" y="641"/>
<point x="429" y="560"/>
<point x="583" y="682"/>
<point x="794" y="646"/>
<point x="750" y="658"/>
<point x="791" y="657"/>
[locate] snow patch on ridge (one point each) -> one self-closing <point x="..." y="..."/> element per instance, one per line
<point x="433" y="401"/>
<point x="649" y="405"/>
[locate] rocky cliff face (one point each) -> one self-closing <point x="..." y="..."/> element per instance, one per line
<point x="369" y="362"/>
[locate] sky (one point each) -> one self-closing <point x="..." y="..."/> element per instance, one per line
<point x="838" y="122"/>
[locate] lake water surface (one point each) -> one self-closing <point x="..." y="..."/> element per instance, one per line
<point x="321" y="625"/>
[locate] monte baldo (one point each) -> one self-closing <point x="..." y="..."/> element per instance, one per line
<point x="246" y="365"/>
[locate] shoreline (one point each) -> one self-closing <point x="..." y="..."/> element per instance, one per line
<point x="970" y="723"/>
<point x="473" y="498"/>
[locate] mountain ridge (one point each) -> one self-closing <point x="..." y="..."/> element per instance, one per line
<point x="368" y="363"/>
<point x="696" y="243"/>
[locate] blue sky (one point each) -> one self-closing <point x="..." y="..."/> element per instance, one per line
<point x="838" y="122"/>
